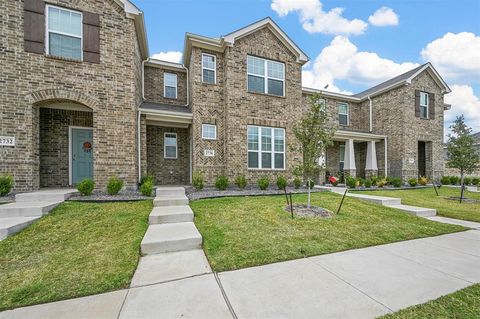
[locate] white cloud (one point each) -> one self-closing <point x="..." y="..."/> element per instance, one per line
<point x="463" y="101"/>
<point x="341" y="60"/>
<point x="383" y="17"/>
<point x="455" y="56"/>
<point x="170" y="56"/>
<point x="314" y="19"/>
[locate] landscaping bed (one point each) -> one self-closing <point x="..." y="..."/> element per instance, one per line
<point x="78" y="249"/>
<point x="241" y="232"/>
<point x="461" y="304"/>
<point x="443" y="204"/>
<point x="102" y="197"/>
<point x="211" y="192"/>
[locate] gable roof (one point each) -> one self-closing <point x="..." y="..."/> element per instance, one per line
<point x="219" y="44"/>
<point x="404" y="78"/>
<point x="134" y="13"/>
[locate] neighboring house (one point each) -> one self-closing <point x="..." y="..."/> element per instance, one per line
<point x="82" y="100"/>
<point x="453" y="171"/>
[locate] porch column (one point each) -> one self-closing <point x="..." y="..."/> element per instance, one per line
<point x="371" y="168"/>
<point x="349" y="163"/>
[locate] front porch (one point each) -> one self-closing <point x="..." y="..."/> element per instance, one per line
<point x="356" y="154"/>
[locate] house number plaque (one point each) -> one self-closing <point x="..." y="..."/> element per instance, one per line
<point x="7" y="141"/>
<point x="209" y="153"/>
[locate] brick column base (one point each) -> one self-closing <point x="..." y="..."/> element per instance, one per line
<point x="370" y="172"/>
<point x="350" y="172"/>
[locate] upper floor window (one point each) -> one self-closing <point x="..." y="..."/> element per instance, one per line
<point x="424" y="105"/>
<point x="170" y="85"/>
<point x="343" y="116"/>
<point x="209" y="68"/>
<point x="266" y="147"/>
<point x="170" y="146"/>
<point x="265" y="76"/>
<point x="209" y="131"/>
<point x="64" y="33"/>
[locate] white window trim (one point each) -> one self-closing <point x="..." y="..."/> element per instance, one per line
<point x="47" y="31"/>
<point x="347" y="114"/>
<point x="427" y="106"/>
<point x="215" y="130"/>
<point x="214" y="68"/>
<point x="165" y="146"/>
<point x="272" y="151"/>
<point x="165" y="85"/>
<point x="266" y="77"/>
<point x="340" y="154"/>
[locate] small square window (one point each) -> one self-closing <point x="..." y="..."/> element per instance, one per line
<point x="209" y="131"/>
<point x="170" y="85"/>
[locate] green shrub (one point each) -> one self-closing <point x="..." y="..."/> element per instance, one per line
<point x="374" y="180"/>
<point x="86" y="187"/>
<point x="146" y="178"/>
<point x="241" y="181"/>
<point x="368" y="183"/>
<point x="350" y="181"/>
<point x="263" y="183"/>
<point x="221" y="183"/>
<point x="396" y="181"/>
<point x="467" y="180"/>
<point x="6" y="184"/>
<point x="381" y="181"/>
<point x="360" y="182"/>
<point x="445" y="180"/>
<point x="197" y="180"/>
<point x="454" y="180"/>
<point x="297" y="182"/>
<point x="114" y="185"/>
<point x="476" y="181"/>
<point x="281" y="182"/>
<point x="412" y="182"/>
<point x="423" y="180"/>
<point x="146" y="188"/>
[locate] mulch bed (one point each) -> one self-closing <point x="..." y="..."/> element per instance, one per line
<point x="123" y="196"/>
<point x="211" y="192"/>
<point x="464" y="200"/>
<point x="302" y="210"/>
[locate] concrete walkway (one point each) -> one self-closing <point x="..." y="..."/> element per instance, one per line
<point x="361" y="283"/>
<point x="28" y="207"/>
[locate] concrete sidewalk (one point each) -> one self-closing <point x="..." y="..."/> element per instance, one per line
<point x="361" y="283"/>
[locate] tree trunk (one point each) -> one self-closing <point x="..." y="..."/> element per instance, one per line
<point x="308" y="185"/>
<point x="462" y="186"/>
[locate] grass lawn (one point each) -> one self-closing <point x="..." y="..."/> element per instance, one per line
<point x="249" y="231"/>
<point x="426" y="197"/>
<point x="78" y="249"/>
<point x="463" y="304"/>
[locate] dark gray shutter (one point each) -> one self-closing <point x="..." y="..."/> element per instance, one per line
<point x="417" y="103"/>
<point x="91" y="37"/>
<point x="431" y="106"/>
<point x="34" y="26"/>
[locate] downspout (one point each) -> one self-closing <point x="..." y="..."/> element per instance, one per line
<point x="191" y="128"/>
<point x="139" y="155"/>
<point x="386" y="157"/>
<point x="371" y="115"/>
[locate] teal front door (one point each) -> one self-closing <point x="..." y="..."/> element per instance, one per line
<point x="82" y="154"/>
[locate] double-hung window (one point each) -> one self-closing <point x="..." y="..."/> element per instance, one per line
<point x="170" y="85"/>
<point x="265" y="76"/>
<point x="266" y="147"/>
<point x="424" y="105"/>
<point x="209" y="67"/>
<point x="209" y="131"/>
<point x="64" y="33"/>
<point x="343" y="113"/>
<point x="170" y="146"/>
<point x="342" y="157"/>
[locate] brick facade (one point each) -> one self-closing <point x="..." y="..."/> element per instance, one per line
<point x="154" y="85"/>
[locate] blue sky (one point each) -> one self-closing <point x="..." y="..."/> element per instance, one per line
<point x="350" y="49"/>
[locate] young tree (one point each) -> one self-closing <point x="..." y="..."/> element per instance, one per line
<point x="460" y="151"/>
<point x="314" y="136"/>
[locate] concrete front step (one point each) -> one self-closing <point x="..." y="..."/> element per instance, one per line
<point x="27" y="209"/>
<point x="377" y="199"/>
<point x="169" y="190"/>
<point x="170" y="200"/>
<point x="163" y="238"/>
<point x="46" y="195"/>
<point x="12" y="225"/>
<point x="414" y="210"/>
<point x="170" y="214"/>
